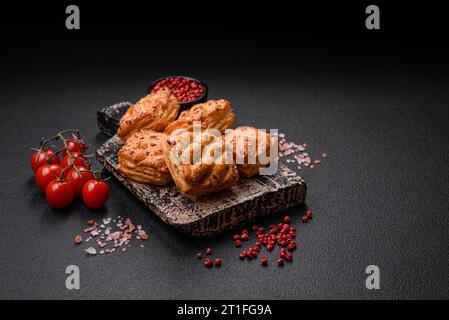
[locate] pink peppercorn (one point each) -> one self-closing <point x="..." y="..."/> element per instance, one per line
<point x="182" y="88"/>
<point x="208" y="263"/>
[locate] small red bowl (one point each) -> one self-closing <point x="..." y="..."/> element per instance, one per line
<point x="188" y="104"/>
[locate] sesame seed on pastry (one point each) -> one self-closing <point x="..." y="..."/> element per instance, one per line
<point x="213" y="114"/>
<point x="245" y="139"/>
<point x="154" y="112"/>
<point x="210" y="172"/>
<point x="141" y="158"/>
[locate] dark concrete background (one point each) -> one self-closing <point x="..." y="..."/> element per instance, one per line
<point x="380" y="111"/>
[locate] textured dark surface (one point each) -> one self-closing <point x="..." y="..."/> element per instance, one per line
<point x="208" y="215"/>
<point x="381" y="198"/>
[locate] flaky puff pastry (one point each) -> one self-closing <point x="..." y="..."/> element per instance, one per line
<point x="196" y="175"/>
<point x="216" y="114"/>
<point x="142" y="159"/>
<point x="153" y="112"/>
<point x="249" y="140"/>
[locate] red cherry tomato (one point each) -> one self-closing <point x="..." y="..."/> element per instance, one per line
<point x="59" y="194"/>
<point x="95" y="193"/>
<point x="77" y="180"/>
<point x="78" y="160"/>
<point x="74" y="145"/>
<point x="47" y="173"/>
<point x="36" y="162"/>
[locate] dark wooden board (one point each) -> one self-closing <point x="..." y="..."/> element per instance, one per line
<point x="208" y="215"/>
<point x="108" y="118"/>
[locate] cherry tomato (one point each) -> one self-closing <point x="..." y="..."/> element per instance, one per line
<point x="36" y="162"/>
<point x="74" y="145"/>
<point x="78" y="160"/>
<point x="47" y="173"/>
<point x="59" y="194"/>
<point x="77" y="180"/>
<point x="95" y="193"/>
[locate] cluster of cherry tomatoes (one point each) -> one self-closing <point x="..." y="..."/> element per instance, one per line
<point x="66" y="173"/>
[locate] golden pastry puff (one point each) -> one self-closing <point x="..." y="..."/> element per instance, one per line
<point x="153" y="112"/>
<point x="198" y="167"/>
<point x="142" y="159"/>
<point x="216" y="114"/>
<point x="249" y="140"/>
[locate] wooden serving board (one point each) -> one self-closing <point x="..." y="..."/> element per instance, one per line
<point x="108" y="118"/>
<point x="211" y="214"/>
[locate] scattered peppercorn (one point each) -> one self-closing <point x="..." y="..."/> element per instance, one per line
<point x="309" y="214"/>
<point x="78" y="239"/>
<point x="281" y="234"/>
<point x="208" y="263"/>
<point x="144" y="237"/>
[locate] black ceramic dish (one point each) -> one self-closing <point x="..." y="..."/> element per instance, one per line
<point x="188" y="104"/>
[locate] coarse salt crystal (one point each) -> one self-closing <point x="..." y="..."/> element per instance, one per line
<point x="91" y="251"/>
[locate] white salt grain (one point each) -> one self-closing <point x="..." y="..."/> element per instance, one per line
<point x="91" y="251"/>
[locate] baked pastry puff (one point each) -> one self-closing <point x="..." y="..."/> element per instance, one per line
<point x="154" y="112"/>
<point x="141" y="158"/>
<point x="199" y="165"/>
<point x="213" y="114"/>
<point x="253" y="149"/>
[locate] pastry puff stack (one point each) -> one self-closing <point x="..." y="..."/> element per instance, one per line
<point x="209" y="172"/>
<point x="249" y="140"/>
<point x="153" y="112"/>
<point x="158" y="149"/>
<point x="141" y="158"/>
<point x="213" y="114"/>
